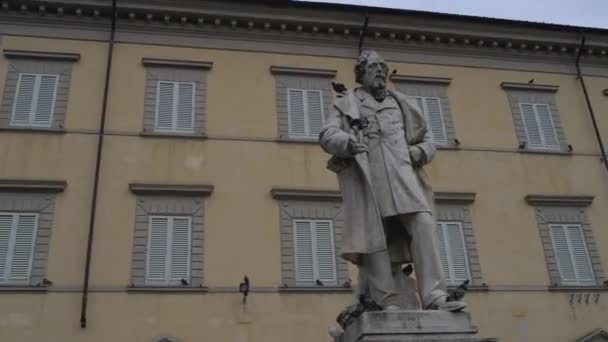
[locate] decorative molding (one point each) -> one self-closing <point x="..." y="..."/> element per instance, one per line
<point x="32" y="185"/>
<point x="24" y="289"/>
<point x="455" y="197"/>
<point x="314" y="289"/>
<point x="173" y="63"/>
<point x="303" y="71"/>
<point x="144" y="289"/>
<point x="529" y="87"/>
<point x="595" y="336"/>
<point x="557" y="200"/>
<point x="59" y="56"/>
<point x="306" y="194"/>
<point x="171" y="189"/>
<point x="421" y="79"/>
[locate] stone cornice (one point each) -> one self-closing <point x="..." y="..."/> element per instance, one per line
<point x="171" y="189"/>
<point x="32" y="185"/>
<point x="421" y="79"/>
<point x="69" y="57"/>
<point x="305" y="194"/>
<point x="529" y="86"/>
<point x="556" y="200"/>
<point x="176" y="63"/>
<point x="455" y="197"/>
<point x="302" y="71"/>
<point x="318" y="22"/>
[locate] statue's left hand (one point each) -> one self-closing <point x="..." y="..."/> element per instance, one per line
<point x="416" y="155"/>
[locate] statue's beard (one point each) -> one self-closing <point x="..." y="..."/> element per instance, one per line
<point x="378" y="84"/>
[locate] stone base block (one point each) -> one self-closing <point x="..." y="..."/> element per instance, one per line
<point x="413" y="326"/>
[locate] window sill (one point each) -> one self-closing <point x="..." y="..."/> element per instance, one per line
<point x="23" y="288"/>
<point x="310" y="141"/>
<point x="448" y="147"/>
<point x="314" y="289"/>
<point x="545" y="151"/>
<point x="168" y="289"/>
<point x="33" y="130"/>
<point x="197" y="136"/>
<point x="575" y="288"/>
<point x="471" y="288"/>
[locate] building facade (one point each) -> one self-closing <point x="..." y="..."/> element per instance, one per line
<point x="149" y="163"/>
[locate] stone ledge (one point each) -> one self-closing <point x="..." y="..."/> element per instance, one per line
<point x="58" y="56"/>
<point x="180" y="290"/>
<point x="455" y="197"/>
<point x="314" y="289"/>
<point x="529" y="86"/>
<point x="557" y="200"/>
<point x="171" y="189"/>
<point x="173" y="63"/>
<point x="305" y="194"/>
<point x="421" y="79"/>
<point x="22" y="289"/>
<point x="32" y="185"/>
<point x="283" y="70"/>
<point x="311" y="141"/>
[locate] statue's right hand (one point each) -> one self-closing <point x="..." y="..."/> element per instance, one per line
<point x="355" y="146"/>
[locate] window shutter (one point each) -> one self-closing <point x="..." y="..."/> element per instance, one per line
<point x="325" y="252"/>
<point x="23" y="248"/>
<point x="303" y="251"/>
<point x="530" y="125"/>
<point x="296" y="112"/>
<point x="45" y="99"/>
<point x="180" y="249"/>
<point x="24" y="99"/>
<point x="443" y="254"/>
<point x="580" y="254"/>
<point x="156" y="266"/>
<point x="546" y="125"/>
<point x="435" y="120"/>
<point x="562" y="253"/>
<point x="458" y="252"/>
<point x="6" y="224"/>
<point x="185" y="107"/>
<point x="164" y="106"/>
<point x="315" y="112"/>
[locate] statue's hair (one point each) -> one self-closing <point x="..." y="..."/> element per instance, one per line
<point x="362" y="64"/>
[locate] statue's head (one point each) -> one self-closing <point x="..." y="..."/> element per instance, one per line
<point x="371" y="71"/>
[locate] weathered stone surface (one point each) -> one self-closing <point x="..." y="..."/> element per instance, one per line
<point x="410" y="326"/>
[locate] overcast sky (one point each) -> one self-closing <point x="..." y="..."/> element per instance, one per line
<point x="588" y="13"/>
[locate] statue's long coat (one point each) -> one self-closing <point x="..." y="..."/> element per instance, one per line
<point x="364" y="231"/>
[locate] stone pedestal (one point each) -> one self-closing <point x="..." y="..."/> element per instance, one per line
<point x="413" y="326"/>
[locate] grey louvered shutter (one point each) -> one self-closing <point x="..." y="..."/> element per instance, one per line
<point x="158" y="240"/>
<point x="546" y="125"/>
<point x="458" y="253"/>
<point x="314" y="106"/>
<point x="185" y="107"/>
<point x="296" y="113"/>
<point x="22" y="250"/>
<point x="6" y="225"/>
<point x="303" y="252"/>
<point x="45" y="100"/>
<point x="571" y="254"/>
<point x="325" y="252"/>
<point x="24" y="99"/>
<point x="164" y="106"/>
<point x="531" y="127"/>
<point x="431" y="109"/>
<point x="180" y="249"/>
<point x="443" y="256"/>
<point x="561" y="251"/>
<point x="580" y="255"/>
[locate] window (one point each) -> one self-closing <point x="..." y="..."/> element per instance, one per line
<point x="26" y="219"/>
<point x="176" y="97"/>
<point x="17" y="241"/>
<point x="311" y="229"/>
<point x="305" y="109"/>
<point x="175" y="107"/>
<point x="571" y="253"/>
<point x="536" y="118"/>
<point x="34" y="100"/>
<point x="431" y="108"/>
<point x="456" y="238"/>
<point x="314" y="250"/>
<point x="303" y="95"/>
<point x="168" y="237"/>
<point x="36" y="90"/>
<point x="431" y="95"/>
<point x="169" y="248"/>
<point x="453" y="254"/>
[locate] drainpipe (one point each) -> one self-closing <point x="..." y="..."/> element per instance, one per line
<point x="591" y="113"/>
<point x="102" y="125"/>
<point x="363" y="33"/>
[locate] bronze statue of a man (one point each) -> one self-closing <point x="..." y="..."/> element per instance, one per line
<point x="380" y="142"/>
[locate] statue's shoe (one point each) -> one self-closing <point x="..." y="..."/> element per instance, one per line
<point x="452" y="306"/>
